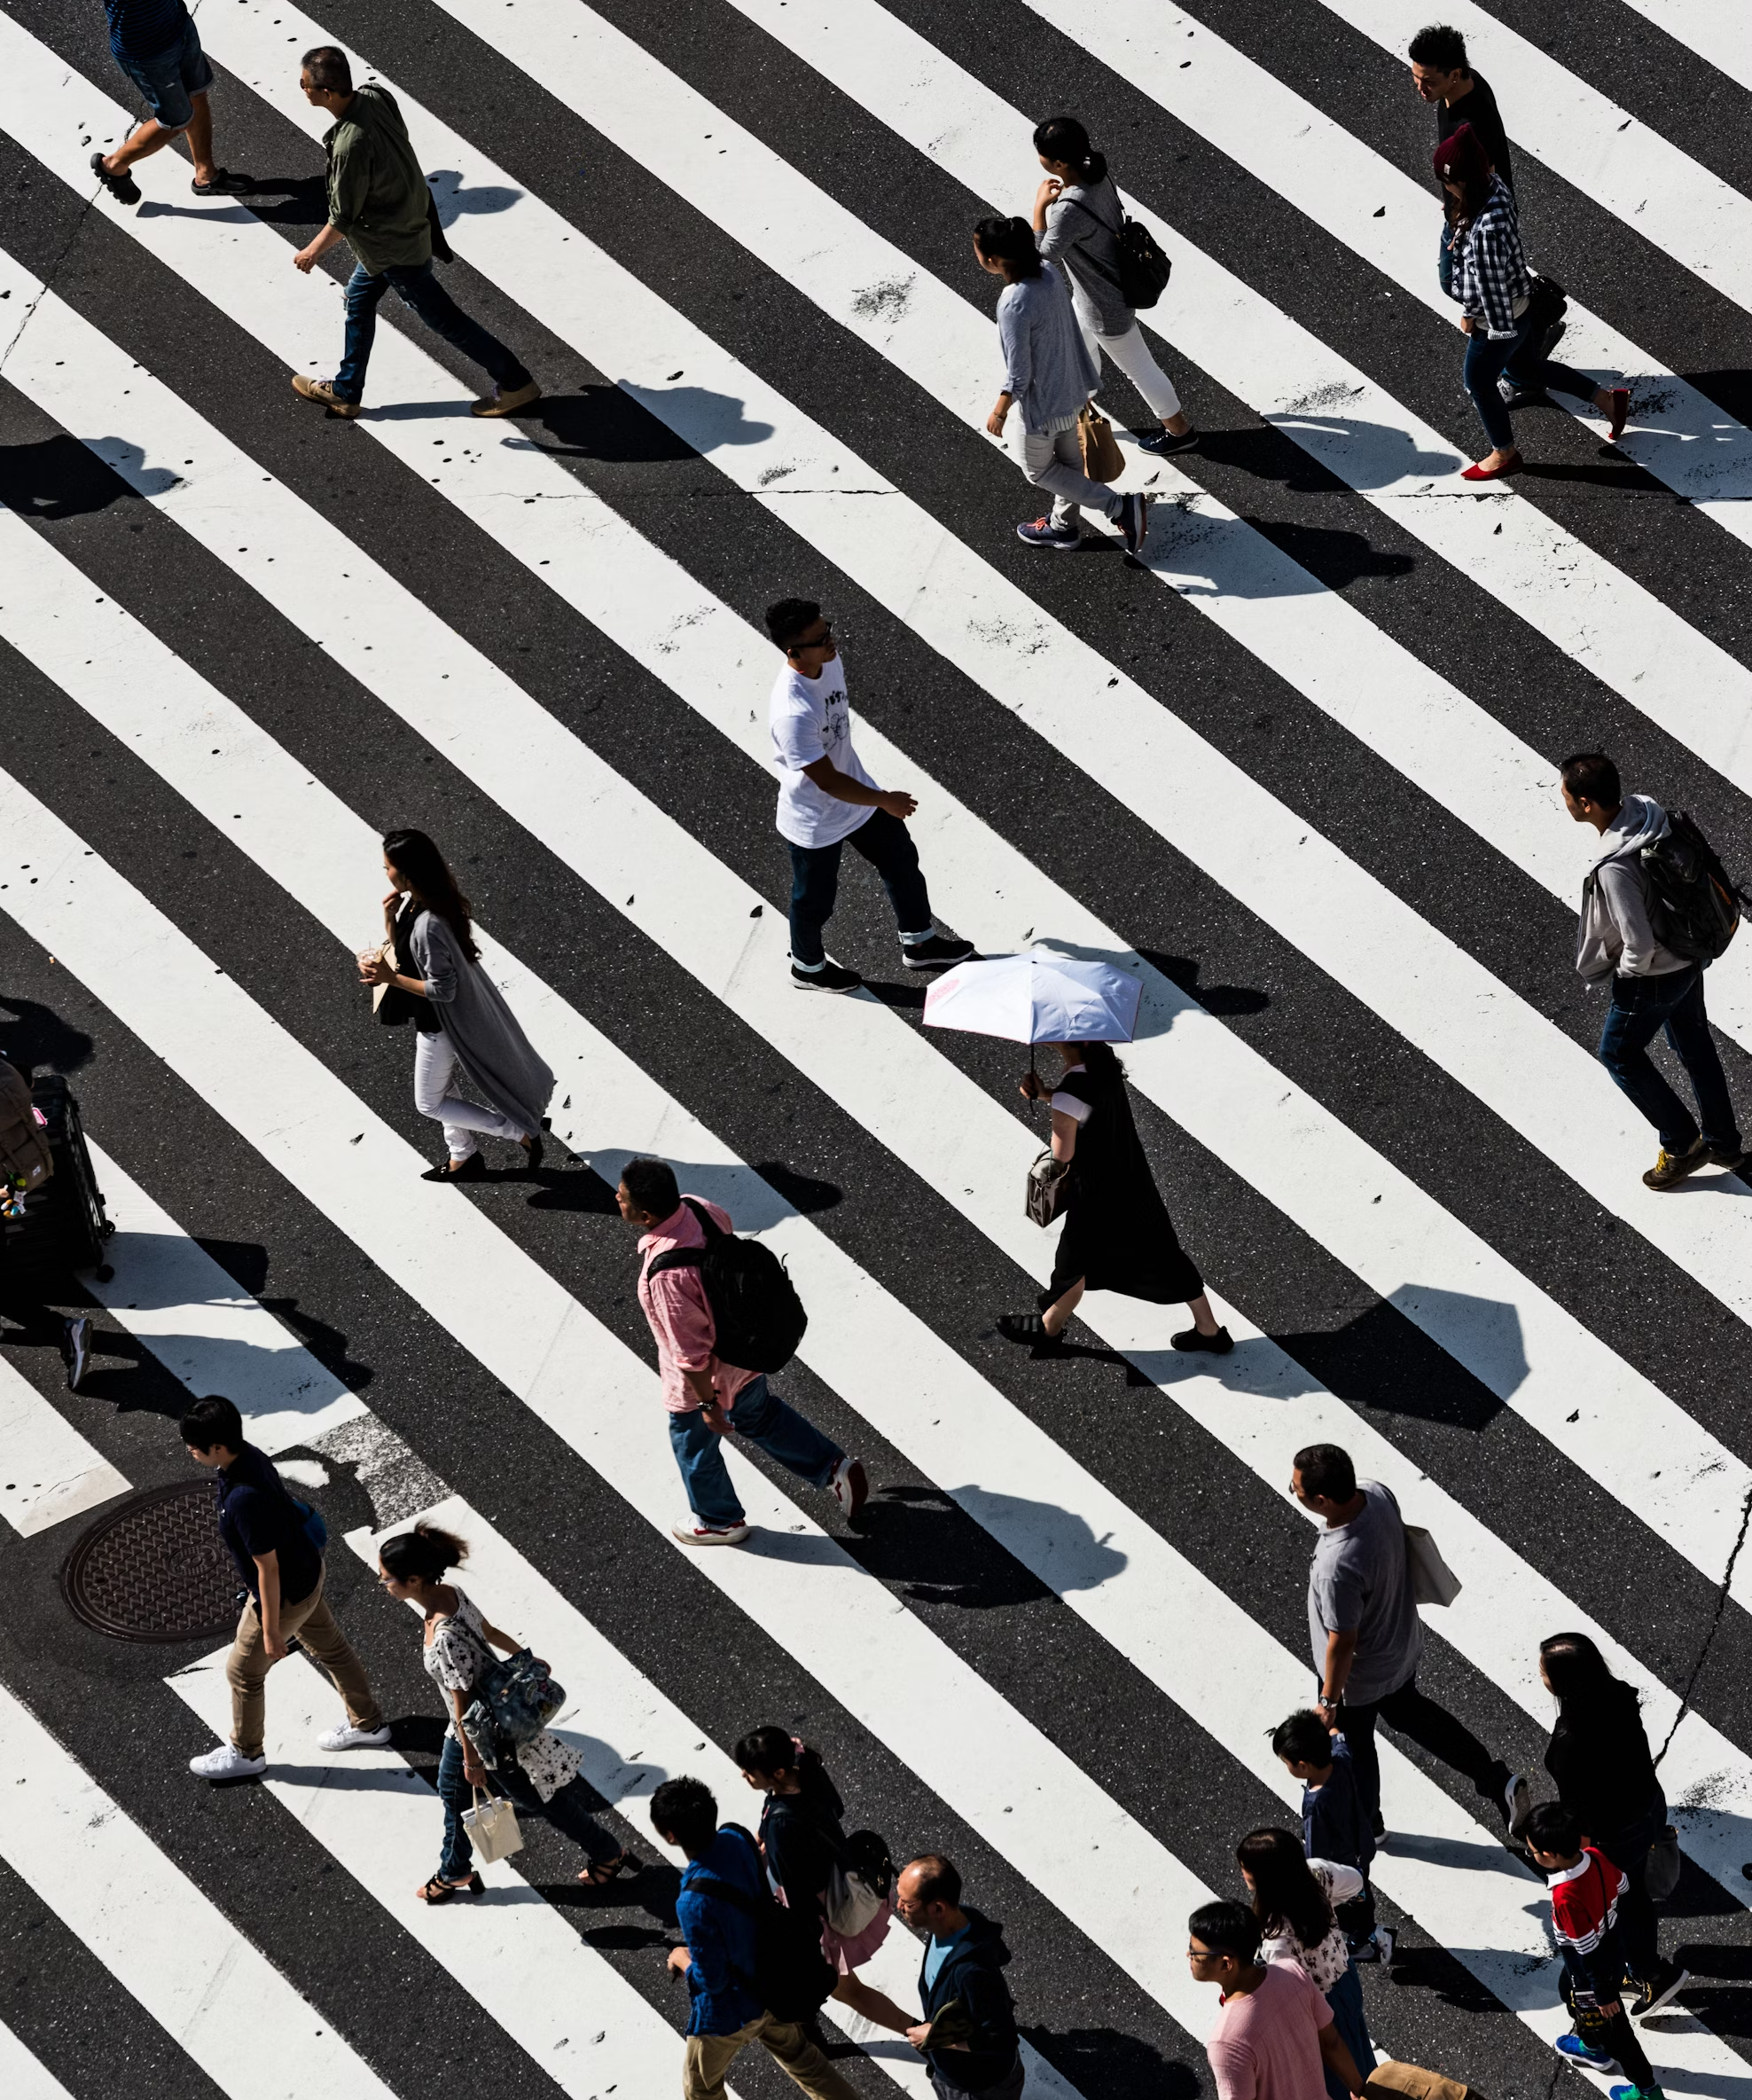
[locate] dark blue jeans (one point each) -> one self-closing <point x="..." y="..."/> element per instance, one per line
<point x="419" y="289"/>
<point x="1641" y="1007"/>
<point x="765" y="1420"/>
<point x="887" y="844"/>
<point x="1489" y="358"/>
<point x="568" y="1811"/>
<point x="1346" y="2000"/>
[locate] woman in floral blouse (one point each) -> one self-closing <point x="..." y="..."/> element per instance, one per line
<point x="541" y="1779"/>
<point x="1293" y="1899"/>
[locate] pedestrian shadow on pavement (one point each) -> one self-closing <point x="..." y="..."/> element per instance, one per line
<point x="34" y="1037"/>
<point x="706" y="421"/>
<point x="60" y="477"/>
<point x="1288" y="450"/>
<point x="281" y="200"/>
<point x="455" y="200"/>
<point x="964" y="1547"/>
<point x="1115" y="2065"/>
<point x="599" y="422"/>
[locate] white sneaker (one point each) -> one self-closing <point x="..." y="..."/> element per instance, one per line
<point x="1383" y="1937"/>
<point x="850" y="1486"/>
<point x="348" y="1737"/>
<point x="227" y="1762"/>
<point x="711" y="1534"/>
<point x="1518" y="1800"/>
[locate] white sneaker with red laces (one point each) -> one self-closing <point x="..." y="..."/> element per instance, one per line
<point x="711" y="1534"/>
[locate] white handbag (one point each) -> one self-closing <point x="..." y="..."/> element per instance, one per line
<point x="852" y="1903"/>
<point x="1433" y="1580"/>
<point x="492" y="1825"/>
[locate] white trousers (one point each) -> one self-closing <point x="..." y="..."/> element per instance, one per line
<point x="1133" y="356"/>
<point x="1052" y="461"/>
<point x="435" y="1069"/>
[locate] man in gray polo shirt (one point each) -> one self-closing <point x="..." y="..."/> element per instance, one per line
<point x="1367" y="1638"/>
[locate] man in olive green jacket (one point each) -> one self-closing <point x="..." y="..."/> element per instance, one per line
<point x="380" y="206"/>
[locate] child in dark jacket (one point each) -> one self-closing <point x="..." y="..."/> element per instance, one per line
<point x="1335" y="1823"/>
<point x="1585" y="1887"/>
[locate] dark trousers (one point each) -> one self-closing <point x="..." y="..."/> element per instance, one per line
<point x="568" y="1810"/>
<point x="1617" y="2036"/>
<point x="1346" y="2000"/>
<point x="887" y="844"/>
<point x="1432" y="1727"/>
<point x="1641" y="1007"/>
<point x="1628" y="1849"/>
<point x="1517" y="355"/>
<point x="419" y="289"/>
<point x="1008" y="2088"/>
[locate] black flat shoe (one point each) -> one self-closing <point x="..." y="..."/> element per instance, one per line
<point x="533" y="1147"/>
<point x="472" y="1169"/>
<point x="1192" y="1343"/>
<point x="1029" y="1329"/>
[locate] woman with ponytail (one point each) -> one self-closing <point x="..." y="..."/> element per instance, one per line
<point x="542" y="1778"/>
<point x="1048" y="376"/>
<point x="1077" y="220"/>
<point x="461" y="1020"/>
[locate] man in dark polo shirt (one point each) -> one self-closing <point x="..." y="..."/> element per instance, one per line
<point x="264" y="1528"/>
<point x="1440" y="75"/>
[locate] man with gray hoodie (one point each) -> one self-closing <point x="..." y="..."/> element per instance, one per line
<point x="1652" y="987"/>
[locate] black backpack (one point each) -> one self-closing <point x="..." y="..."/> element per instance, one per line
<point x="1143" y="266"/>
<point x="759" y="1317"/>
<point x="791" y="1976"/>
<point x="1693" y="906"/>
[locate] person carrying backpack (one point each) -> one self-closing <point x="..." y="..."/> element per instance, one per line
<point x="815" y="1871"/>
<point x="696" y="1277"/>
<point x="1656" y="911"/>
<point x="735" y="1958"/>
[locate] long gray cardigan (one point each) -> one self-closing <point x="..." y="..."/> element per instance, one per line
<point x="499" y="1059"/>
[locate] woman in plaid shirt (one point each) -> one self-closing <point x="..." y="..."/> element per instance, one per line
<point x="1493" y="284"/>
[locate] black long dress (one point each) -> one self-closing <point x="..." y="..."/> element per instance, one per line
<point x="1118" y="1234"/>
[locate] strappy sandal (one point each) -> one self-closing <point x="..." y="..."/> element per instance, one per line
<point x="599" y="1874"/>
<point x="440" y="1891"/>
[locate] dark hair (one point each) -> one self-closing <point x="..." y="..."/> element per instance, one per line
<point x="422" y="1555"/>
<point x="1552" y="1828"/>
<point x="1591" y="776"/>
<point x="426" y="872"/>
<point x="767" y="1750"/>
<point x="789" y="618"/>
<point x="1578" y="1674"/>
<point x="651" y="1185"/>
<point x="1009" y="241"/>
<point x="212" y="1420"/>
<point x="1441" y="47"/>
<point x="1462" y="159"/>
<point x="1226" y="1929"/>
<point x="329" y="69"/>
<point x="1286" y="1896"/>
<point x="941" y="1880"/>
<point x="1326" y="1469"/>
<point x="684" y="1809"/>
<point x="1305" y="1738"/>
<point x="1064" y="139"/>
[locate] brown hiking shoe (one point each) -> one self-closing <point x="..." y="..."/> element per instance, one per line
<point x="1673" y="1167"/>
<point x="322" y="391"/>
<point x="498" y="403"/>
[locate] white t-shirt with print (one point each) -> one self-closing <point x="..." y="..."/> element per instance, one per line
<point x="810" y="720"/>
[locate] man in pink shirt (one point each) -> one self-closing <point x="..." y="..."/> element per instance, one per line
<point x="707" y="1397"/>
<point x="1274" y="2038"/>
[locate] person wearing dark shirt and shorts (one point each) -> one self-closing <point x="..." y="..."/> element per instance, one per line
<point x="264" y="1528"/>
<point x="1441" y="75"/>
<point x="157" y="46"/>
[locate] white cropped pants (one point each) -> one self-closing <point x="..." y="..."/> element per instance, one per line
<point x="435" y="1071"/>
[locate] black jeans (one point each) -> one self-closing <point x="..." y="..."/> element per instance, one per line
<point x="1617" y="2036"/>
<point x="1628" y="1849"/>
<point x="887" y="844"/>
<point x="1432" y="1727"/>
<point x="1641" y="1007"/>
<point x="417" y="287"/>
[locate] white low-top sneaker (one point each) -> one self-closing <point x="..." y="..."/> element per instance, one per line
<point x="348" y="1737"/>
<point x="227" y="1762"/>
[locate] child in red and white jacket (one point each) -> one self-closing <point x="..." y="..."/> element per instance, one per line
<point x="1585" y="1888"/>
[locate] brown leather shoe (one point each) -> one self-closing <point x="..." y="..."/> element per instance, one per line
<point x="500" y="403"/>
<point x="322" y="392"/>
<point x="1673" y="1167"/>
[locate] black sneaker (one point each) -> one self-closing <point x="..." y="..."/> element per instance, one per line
<point x="936" y="953"/>
<point x="1190" y="1342"/>
<point x="1659" y="1991"/>
<point x="1029" y="1329"/>
<point x="1161" y="442"/>
<point x="123" y="187"/>
<point x="1724" y="1156"/>
<point x="830" y="977"/>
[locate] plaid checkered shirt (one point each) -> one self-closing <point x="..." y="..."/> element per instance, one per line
<point x="1490" y="272"/>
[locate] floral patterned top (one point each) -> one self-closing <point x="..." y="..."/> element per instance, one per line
<point x="455" y="1655"/>
<point x="1323" y="1965"/>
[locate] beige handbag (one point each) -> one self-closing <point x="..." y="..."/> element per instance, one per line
<point x="1433" y="1580"/>
<point x="1102" y="459"/>
<point x="492" y="1827"/>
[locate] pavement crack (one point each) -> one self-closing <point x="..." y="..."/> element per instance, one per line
<point x="1714" y="1627"/>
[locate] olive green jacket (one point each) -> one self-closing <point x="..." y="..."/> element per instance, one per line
<point x="377" y="191"/>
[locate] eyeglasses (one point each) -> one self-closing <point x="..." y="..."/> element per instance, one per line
<point x="824" y="640"/>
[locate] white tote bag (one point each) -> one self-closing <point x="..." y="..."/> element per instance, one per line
<point x="852" y="1903"/>
<point x="1433" y="1580"/>
<point x="492" y="1825"/>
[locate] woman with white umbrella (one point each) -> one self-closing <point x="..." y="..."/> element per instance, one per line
<point x="1117" y="1234"/>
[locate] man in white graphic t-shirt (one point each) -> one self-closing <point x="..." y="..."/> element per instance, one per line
<point x="826" y="798"/>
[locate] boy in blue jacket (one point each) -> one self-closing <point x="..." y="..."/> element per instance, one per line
<point x="1335" y="1823"/>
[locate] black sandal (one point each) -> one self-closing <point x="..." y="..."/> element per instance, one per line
<point x="1029" y="1329"/>
<point x="440" y="1891"/>
<point x="601" y="1872"/>
<point x="121" y="186"/>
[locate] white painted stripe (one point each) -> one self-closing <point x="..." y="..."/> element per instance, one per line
<point x="22" y="2076"/>
<point x="210" y="1990"/>
<point x="1717" y="30"/>
<point x="870" y="1654"/>
<point x="47" y="1471"/>
<point x="1587" y="138"/>
<point x="1677" y="433"/>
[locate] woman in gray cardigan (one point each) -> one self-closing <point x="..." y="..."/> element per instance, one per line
<point x="459" y="1013"/>
<point x="1048" y="375"/>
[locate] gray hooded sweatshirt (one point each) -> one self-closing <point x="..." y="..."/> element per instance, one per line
<point x="1614" y="937"/>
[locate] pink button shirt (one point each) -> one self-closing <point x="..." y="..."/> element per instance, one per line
<point x="680" y="1319"/>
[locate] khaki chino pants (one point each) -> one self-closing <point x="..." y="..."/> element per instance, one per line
<point x="247" y="1665"/>
<point x="711" y="2056"/>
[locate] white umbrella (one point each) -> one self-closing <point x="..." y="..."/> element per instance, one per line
<point x="1036" y="998"/>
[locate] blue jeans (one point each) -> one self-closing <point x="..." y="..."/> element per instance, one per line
<point x="567" y="1812"/>
<point x="1490" y="357"/>
<point x="170" y="78"/>
<point x="1346" y="2000"/>
<point x="416" y="286"/>
<point x="887" y="844"/>
<point x="1641" y="1007"/>
<point x="1444" y="262"/>
<point x="766" y="1421"/>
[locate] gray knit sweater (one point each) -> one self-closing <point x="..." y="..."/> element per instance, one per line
<point x="1048" y="371"/>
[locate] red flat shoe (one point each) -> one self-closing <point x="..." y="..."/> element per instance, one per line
<point x="1621" y="412"/>
<point x="1491" y="474"/>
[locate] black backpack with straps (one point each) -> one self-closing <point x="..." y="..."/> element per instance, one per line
<point x="756" y="1310"/>
<point x="791" y="1976"/>
<point x="1694" y="907"/>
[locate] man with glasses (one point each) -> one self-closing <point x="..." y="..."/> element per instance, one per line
<point x="826" y="798"/>
<point x="1275" y="2037"/>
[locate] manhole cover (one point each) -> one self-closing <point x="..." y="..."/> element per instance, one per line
<point x="155" y="1569"/>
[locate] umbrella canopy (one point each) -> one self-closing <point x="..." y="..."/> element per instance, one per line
<point x="1036" y="998"/>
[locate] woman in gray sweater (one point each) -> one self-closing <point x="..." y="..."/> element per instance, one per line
<point x="1077" y="219"/>
<point x="1048" y="376"/>
<point x="462" y="1021"/>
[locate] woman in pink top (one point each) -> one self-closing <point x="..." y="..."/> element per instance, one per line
<point x="1274" y="2037"/>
